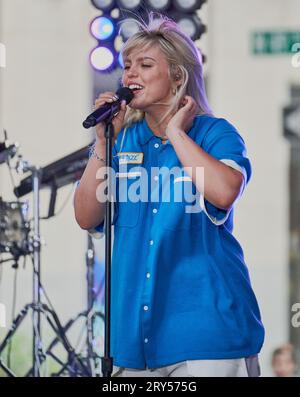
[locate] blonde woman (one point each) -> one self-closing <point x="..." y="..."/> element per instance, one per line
<point x="182" y="302"/>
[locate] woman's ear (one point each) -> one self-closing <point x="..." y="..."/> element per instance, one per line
<point x="177" y="79"/>
<point x="176" y="73"/>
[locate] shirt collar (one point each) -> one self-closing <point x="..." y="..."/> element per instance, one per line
<point x="145" y="133"/>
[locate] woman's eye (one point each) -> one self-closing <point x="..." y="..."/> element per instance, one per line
<point x="144" y="66"/>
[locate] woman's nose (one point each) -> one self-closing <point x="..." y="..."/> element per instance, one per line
<point x="131" y="72"/>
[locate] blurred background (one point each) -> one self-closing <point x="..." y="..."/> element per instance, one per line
<point x="51" y="70"/>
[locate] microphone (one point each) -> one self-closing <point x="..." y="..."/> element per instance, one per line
<point x="108" y="110"/>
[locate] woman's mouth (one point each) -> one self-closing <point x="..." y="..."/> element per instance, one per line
<point x="137" y="92"/>
<point x="136" y="88"/>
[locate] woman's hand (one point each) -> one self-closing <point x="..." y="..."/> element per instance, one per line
<point x="183" y="118"/>
<point x="109" y="97"/>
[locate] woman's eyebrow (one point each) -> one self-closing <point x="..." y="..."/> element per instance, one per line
<point x="140" y="59"/>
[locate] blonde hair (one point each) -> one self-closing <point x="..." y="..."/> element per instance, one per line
<point x="183" y="57"/>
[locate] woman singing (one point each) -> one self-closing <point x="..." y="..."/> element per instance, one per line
<point x="182" y="301"/>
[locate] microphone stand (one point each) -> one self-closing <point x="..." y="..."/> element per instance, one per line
<point x="97" y="116"/>
<point x="36" y="313"/>
<point x="107" y="361"/>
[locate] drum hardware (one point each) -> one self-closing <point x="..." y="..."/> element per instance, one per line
<point x="14" y="230"/>
<point x="10" y="239"/>
<point x="18" y="239"/>
<point x="7" y="150"/>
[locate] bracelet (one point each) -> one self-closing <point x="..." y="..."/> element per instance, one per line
<point x="94" y="154"/>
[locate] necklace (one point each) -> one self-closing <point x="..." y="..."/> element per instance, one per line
<point x="163" y="138"/>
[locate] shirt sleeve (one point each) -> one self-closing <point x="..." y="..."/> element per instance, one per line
<point x="224" y="143"/>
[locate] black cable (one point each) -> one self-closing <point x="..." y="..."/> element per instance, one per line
<point x="1" y="269"/>
<point x="24" y="261"/>
<point x="69" y="195"/>
<point x="13" y="313"/>
<point x="10" y="174"/>
<point x="63" y="206"/>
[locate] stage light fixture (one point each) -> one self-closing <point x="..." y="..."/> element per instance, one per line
<point x="104" y="5"/>
<point x="188" y="5"/>
<point x="102" y="28"/>
<point x="159" y="5"/>
<point x="120" y="60"/>
<point x="129" y="4"/>
<point x="124" y="15"/>
<point x="102" y="58"/>
<point x="128" y="28"/>
<point x="118" y="43"/>
<point x="190" y="25"/>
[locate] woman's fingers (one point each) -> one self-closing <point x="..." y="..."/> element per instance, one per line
<point x="107" y="94"/>
<point x="121" y="113"/>
<point x="187" y="102"/>
<point x="190" y="103"/>
<point x="193" y="107"/>
<point x="106" y="97"/>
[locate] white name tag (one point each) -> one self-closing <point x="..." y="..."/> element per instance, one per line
<point x="128" y="174"/>
<point x="130" y="158"/>
<point x="183" y="179"/>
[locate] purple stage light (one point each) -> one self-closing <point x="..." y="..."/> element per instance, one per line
<point x="102" y="28"/>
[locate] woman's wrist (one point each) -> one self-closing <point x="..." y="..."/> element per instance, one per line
<point x="98" y="151"/>
<point x="100" y="143"/>
<point x="174" y="132"/>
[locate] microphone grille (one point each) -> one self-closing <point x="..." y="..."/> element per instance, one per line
<point x="125" y="93"/>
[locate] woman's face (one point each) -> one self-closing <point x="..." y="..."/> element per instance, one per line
<point x="148" y="69"/>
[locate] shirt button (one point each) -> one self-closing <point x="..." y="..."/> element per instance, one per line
<point x="148" y="275"/>
<point x="156" y="145"/>
<point x="154" y="210"/>
<point x="156" y="177"/>
<point x="146" y="308"/>
<point x="151" y="242"/>
<point x="146" y="340"/>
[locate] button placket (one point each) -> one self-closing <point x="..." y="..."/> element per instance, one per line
<point x="146" y="298"/>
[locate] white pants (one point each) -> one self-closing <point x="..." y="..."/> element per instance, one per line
<point x="242" y="367"/>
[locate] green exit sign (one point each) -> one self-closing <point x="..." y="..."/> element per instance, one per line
<point x="277" y="42"/>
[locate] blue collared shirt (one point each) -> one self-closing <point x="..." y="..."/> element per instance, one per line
<point x="180" y="286"/>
